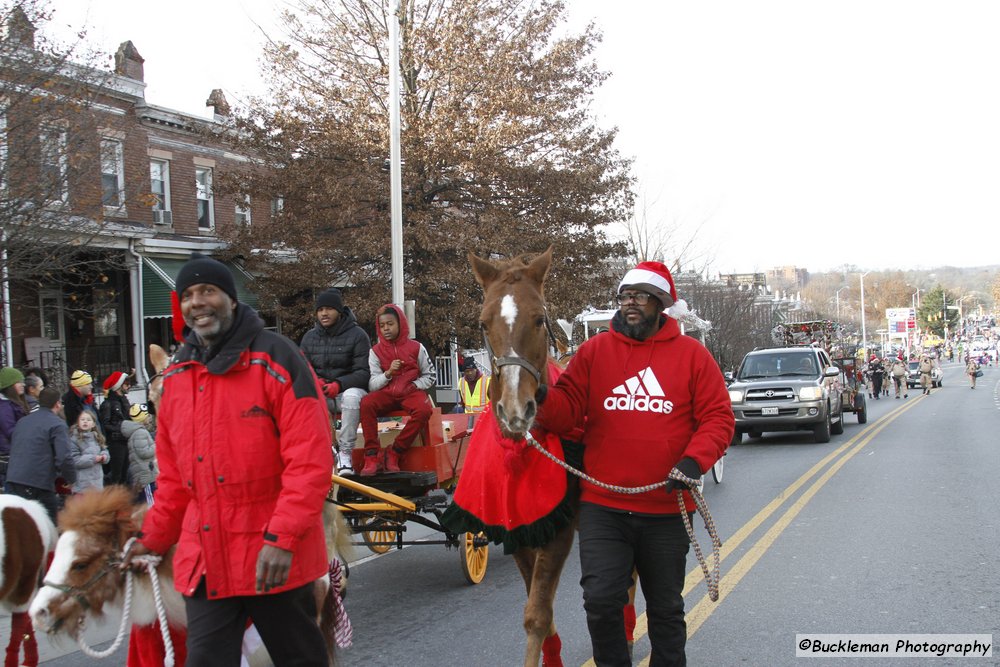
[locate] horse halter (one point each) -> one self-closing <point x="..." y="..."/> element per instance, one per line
<point x="78" y="593"/>
<point x="500" y="362"/>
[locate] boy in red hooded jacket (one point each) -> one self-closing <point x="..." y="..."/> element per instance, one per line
<point x="401" y="374"/>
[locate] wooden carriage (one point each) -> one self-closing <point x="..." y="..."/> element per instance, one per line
<point x="378" y="508"/>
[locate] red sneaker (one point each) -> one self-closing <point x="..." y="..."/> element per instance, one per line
<point x="371" y="463"/>
<point x="392" y="459"/>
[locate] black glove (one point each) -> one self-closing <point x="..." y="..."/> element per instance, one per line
<point x="541" y="393"/>
<point x="689" y="468"/>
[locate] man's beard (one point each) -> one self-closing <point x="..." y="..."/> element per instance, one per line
<point x="223" y="322"/>
<point x="643" y="329"/>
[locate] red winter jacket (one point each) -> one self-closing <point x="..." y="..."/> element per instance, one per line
<point x="647" y="404"/>
<point x="243" y="442"/>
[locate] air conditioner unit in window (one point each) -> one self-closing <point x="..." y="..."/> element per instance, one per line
<point x="163" y="217"/>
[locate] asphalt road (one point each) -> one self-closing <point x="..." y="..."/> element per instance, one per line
<point x="889" y="528"/>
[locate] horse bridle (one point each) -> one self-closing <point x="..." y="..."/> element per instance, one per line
<point x="78" y="593"/>
<point x="500" y="362"/>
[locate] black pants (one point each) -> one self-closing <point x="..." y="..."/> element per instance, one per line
<point x="116" y="470"/>
<point x="286" y="622"/>
<point x="48" y="499"/>
<point x="612" y="544"/>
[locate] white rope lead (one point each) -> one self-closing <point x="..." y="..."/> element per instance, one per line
<point x="150" y="563"/>
<point x="713" y="578"/>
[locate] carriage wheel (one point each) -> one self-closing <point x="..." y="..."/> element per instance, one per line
<point x="718" y="469"/>
<point x="474" y="558"/>
<point x="378" y="535"/>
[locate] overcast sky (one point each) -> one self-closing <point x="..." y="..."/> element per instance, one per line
<point x="772" y="132"/>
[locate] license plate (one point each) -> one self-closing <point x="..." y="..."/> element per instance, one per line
<point x="768" y="411"/>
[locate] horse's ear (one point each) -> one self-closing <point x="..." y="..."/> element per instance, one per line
<point x="484" y="271"/>
<point x="539" y="267"/>
<point x="158" y="357"/>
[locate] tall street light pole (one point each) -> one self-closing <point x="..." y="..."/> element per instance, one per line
<point x="838" y="301"/>
<point x="395" y="175"/>
<point x="864" y="331"/>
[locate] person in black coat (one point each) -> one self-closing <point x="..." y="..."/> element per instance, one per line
<point x="113" y="411"/>
<point x="337" y="347"/>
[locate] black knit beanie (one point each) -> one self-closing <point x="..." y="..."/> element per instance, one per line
<point x="331" y="298"/>
<point x="202" y="269"/>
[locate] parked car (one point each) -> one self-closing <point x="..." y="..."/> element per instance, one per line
<point x="913" y="375"/>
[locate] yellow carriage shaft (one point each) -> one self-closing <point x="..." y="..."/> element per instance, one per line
<point x="391" y="500"/>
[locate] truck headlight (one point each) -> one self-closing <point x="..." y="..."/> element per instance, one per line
<point x="810" y="393"/>
<point x="735" y="396"/>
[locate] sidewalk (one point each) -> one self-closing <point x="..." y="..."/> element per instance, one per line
<point x="98" y="635"/>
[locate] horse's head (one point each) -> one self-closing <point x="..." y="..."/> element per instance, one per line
<point x="84" y="574"/>
<point x="159" y="359"/>
<point x="515" y="330"/>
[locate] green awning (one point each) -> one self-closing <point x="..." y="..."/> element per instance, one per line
<point x="160" y="275"/>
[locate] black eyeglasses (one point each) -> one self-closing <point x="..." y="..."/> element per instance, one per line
<point x="641" y="298"/>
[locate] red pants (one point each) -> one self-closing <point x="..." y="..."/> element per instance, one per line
<point x="380" y="403"/>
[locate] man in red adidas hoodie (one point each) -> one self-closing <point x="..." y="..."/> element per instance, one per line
<point x="649" y="399"/>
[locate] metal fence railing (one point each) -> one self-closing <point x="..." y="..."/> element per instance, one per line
<point x="98" y="360"/>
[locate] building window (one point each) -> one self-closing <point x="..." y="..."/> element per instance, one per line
<point x="112" y="173"/>
<point x="277" y="206"/>
<point x="243" y="211"/>
<point x="53" y="167"/>
<point x="206" y="212"/>
<point x="159" y="183"/>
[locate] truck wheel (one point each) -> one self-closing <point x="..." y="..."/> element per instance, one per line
<point x="821" y="432"/>
<point x="737" y="439"/>
<point x="838" y="426"/>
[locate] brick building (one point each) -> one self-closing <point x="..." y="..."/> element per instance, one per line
<point x="118" y="194"/>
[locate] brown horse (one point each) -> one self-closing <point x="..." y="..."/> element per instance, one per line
<point x="515" y="327"/>
<point x="27" y="537"/>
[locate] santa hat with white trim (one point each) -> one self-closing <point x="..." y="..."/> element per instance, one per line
<point x="652" y="277"/>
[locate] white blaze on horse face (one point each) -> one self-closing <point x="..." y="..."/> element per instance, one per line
<point x="63" y="559"/>
<point x="57" y="574"/>
<point x="508" y="310"/>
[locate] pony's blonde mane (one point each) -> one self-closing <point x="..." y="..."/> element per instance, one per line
<point x="97" y="512"/>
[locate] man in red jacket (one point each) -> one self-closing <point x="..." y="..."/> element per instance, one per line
<point x="649" y="399"/>
<point x="243" y="443"/>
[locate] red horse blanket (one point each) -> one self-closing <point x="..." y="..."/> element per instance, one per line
<point x="509" y="490"/>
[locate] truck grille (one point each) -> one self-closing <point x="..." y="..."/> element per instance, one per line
<point x="772" y="394"/>
<point x="782" y="412"/>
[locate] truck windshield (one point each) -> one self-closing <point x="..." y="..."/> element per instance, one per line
<point x="778" y="365"/>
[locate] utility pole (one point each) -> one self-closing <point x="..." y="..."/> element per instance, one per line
<point x="395" y="169"/>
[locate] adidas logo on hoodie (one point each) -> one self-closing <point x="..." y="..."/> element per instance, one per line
<point x="640" y="393"/>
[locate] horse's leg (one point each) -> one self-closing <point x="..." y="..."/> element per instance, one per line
<point x="538" y="614"/>
<point x="17" y="628"/>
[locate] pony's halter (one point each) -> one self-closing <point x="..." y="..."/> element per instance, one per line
<point x="500" y="362"/>
<point x="79" y="593"/>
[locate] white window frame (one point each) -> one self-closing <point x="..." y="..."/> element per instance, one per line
<point x="47" y="135"/>
<point x="203" y="192"/>
<point x="277" y="206"/>
<point x="162" y="203"/>
<point x="242" y="213"/>
<point x="113" y="166"/>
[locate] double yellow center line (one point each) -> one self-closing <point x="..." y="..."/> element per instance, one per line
<point x="701" y="611"/>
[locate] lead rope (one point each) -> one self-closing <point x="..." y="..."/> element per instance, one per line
<point x="713" y="578"/>
<point x="150" y="563"/>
